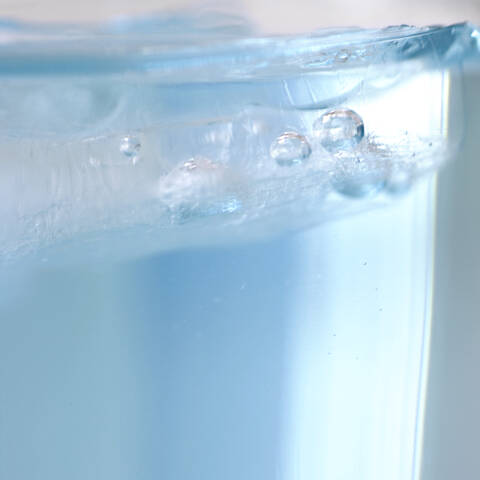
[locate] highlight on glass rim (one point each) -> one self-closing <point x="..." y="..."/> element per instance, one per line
<point x="230" y="254"/>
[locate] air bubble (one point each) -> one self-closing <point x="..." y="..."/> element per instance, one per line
<point x="130" y="147"/>
<point x="192" y="164"/>
<point x="359" y="177"/>
<point x="339" y="130"/>
<point x="198" y="188"/>
<point x="290" y="148"/>
<point x="342" y="56"/>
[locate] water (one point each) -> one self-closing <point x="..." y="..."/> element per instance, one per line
<point x="217" y="249"/>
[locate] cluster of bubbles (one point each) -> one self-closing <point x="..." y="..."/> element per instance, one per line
<point x="340" y="133"/>
<point x="337" y="130"/>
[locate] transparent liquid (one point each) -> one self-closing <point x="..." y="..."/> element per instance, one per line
<point x="293" y="358"/>
<point x="170" y="315"/>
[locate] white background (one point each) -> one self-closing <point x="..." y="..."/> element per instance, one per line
<point x="272" y="15"/>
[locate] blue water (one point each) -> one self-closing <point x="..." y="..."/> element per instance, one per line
<point x="216" y="249"/>
<point x="297" y="357"/>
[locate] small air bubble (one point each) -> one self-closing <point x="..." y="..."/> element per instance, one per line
<point x="359" y="177"/>
<point x="358" y="188"/>
<point x="199" y="188"/>
<point x="191" y="164"/>
<point x="290" y="148"/>
<point x="342" y="56"/>
<point x="130" y="147"/>
<point x="339" y="130"/>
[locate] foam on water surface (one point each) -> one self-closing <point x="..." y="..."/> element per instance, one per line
<point x="152" y="134"/>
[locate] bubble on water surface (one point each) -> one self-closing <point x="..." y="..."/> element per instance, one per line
<point x="339" y="130"/>
<point x="290" y="148"/>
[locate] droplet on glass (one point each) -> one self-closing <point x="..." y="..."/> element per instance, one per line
<point x="290" y="148"/>
<point x="339" y="130"/>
